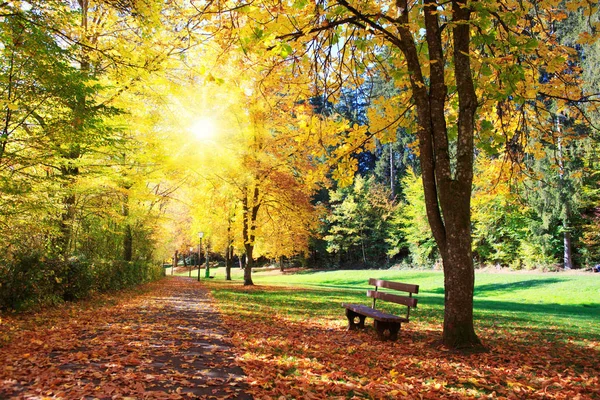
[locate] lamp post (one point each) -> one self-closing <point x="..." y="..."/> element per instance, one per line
<point x="200" y="235"/>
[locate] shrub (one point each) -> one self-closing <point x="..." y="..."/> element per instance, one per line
<point x="28" y="280"/>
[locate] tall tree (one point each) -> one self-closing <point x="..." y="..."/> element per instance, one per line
<point x="451" y="60"/>
<point x="256" y="167"/>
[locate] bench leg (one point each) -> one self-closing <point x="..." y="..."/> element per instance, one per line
<point x="352" y="323"/>
<point x="392" y="327"/>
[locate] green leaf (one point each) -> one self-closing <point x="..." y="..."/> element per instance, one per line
<point x="285" y="50"/>
<point x="486" y="70"/>
<point x="532" y="44"/>
<point x="299" y="4"/>
<point x="486" y="126"/>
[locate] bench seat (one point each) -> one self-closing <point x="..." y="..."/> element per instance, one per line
<point x="387" y="325"/>
<point x="373" y="313"/>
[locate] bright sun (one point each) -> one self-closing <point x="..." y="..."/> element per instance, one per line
<point x="204" y="128"/>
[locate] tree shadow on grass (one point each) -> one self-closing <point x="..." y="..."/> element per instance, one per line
<point x="359" y="283"/>
<point x="508" y="287"/>
<point x="587" y="310"/>
<point x="511" y="287"/>
<point x="412" y="278"/>
<point x="569" y="319"/>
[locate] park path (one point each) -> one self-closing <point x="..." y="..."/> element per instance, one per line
<point x="166" y="343"/>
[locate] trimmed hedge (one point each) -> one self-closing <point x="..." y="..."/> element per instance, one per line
<point x="31" y="281"/>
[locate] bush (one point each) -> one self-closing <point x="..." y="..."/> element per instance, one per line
<point x="24" y="282"/>
<point x="29" y="280"/>
<point x="74" y="279"/>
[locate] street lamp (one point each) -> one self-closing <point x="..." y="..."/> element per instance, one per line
<point x="200" y="235"/>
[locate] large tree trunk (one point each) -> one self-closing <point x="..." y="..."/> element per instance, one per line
<point x="65" y="240"/>
<point x="249" y="265"/>
<point x="228" y="252"/>
<point x="459" y="281"/>
<point x="446" y="182"/>
<point x="72" y="150"/>
<point x="250" y="213"/>
<point x="174" y="261"/>
<point x="228" y="262"/>
<point x="207" y="269"/>
<point x="128" y="243"/>
<point x="459" y="272"/>
<point x="185" y="264"/>
<point x="568" y="253"/>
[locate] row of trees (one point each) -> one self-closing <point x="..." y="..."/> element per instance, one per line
<point x="81" y="192"/>
<point x="516" y="223"/>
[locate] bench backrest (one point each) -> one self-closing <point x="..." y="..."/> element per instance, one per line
<point x="408" y="301"/>
<point x="403" y="287"/>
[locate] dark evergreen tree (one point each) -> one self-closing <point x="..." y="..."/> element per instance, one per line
<point x="360" y="223"/>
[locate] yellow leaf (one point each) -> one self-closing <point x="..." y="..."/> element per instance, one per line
<point x="473" y="381"/>
<point x="586" y="38"/>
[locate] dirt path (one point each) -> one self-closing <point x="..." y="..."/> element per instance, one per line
<point x="165" y="344"/>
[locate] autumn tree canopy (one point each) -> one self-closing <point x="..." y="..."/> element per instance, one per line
<point x="102" y="100"/>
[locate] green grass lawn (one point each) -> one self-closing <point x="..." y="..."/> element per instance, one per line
<point x="551" y="303"/>
<point x="542" y="332"/>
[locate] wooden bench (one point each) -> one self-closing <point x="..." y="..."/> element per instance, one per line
<point x="383" y="322"/>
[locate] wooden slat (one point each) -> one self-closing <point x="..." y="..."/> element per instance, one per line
<point x="394" y="298"/>
<point x="405" y="287"/>
<point x="375" y="314"/>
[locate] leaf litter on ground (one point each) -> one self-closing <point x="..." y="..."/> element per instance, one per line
<point x="167" y="342"/>
<point x="163" y="342"/>
<point x="299" y="352"/>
